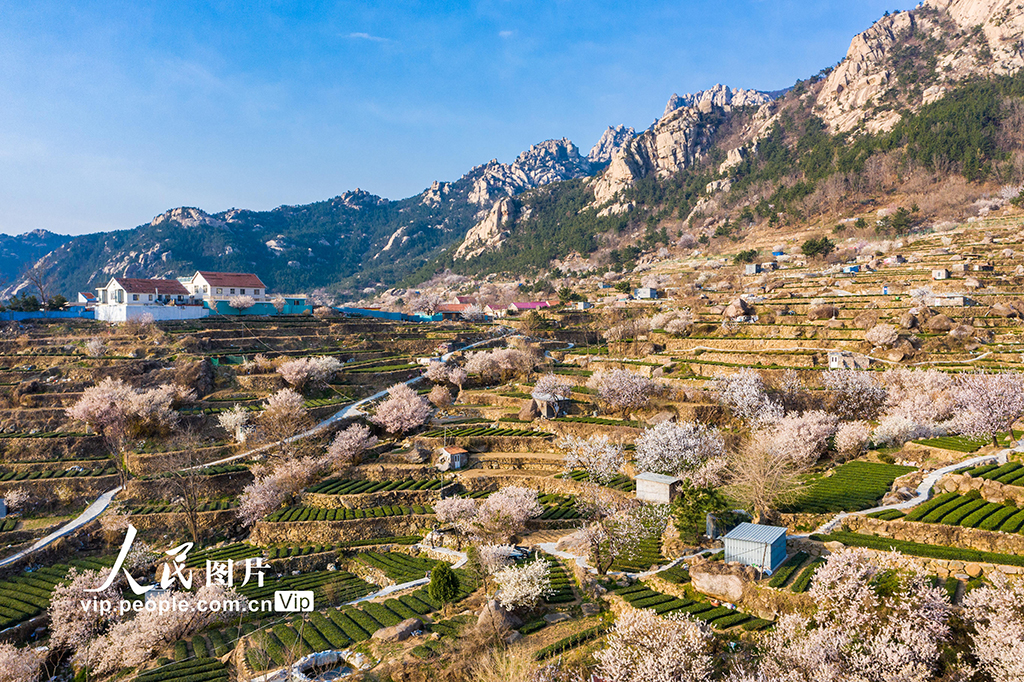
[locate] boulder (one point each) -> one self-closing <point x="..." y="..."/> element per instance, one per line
<point x="865" y="320"/>
<point x="720" y="586"/>
<point x="972" y="283"/>
<point x="736" y="308"/>
<point x="939" y="323"/>
<point x="400" y="632"/>
<point x="962" y="332"/>
<point x="908" y="320"/>
<point x="1003" y="310"/>
<point x="557" y="617"/>
<point x="824" y="311"/>
<point x="494" y="616"/>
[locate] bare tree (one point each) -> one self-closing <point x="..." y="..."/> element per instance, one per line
<point x="186" y="484"/>
<point x="764" y="476"/>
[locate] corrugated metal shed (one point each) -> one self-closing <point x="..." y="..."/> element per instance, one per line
<point x="753" y="544"/>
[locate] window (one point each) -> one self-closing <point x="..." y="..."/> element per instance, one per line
<point x="219" y="290"/>
<point x="241" y="291"/>
<point x="256" y="292"/>
<point x="151" y="297"/>
<point x="232" y="291"/>
<point x="135" y="297"/>
<point x="205" y="289"/>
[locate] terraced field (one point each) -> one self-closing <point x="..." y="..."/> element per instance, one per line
<point x="850" y="487"/>
<point x="969" y="511"/>
<point x="300" y="513"/>
<point x="1007" y="474"/>
<point x="27" y="595"/>
<point x="344" y="486"/>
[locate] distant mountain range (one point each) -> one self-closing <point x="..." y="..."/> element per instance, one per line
<point x="699" y="160"/>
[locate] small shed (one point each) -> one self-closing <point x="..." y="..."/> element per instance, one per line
<point x="940" y="273"/>
<point x="752" y="544"/>
<point x="645" y="292"/>
<point x="452" y="458"/>
<point x="657" y="488"/>
<point x="752" y="268"/>
<point x="844" y="359"/>
<point x="851" y="269"/>
<point x="549" y="406"/>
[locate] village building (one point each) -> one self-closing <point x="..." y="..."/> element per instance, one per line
<point x="940" y="273"/>
<point x="128" y="298"/>
<point x="657" y="488"/>
<point x="645" y="293"/>
<point x="222" y="286"/>
<point x="451" y="458"/>
<point x="844" y="359"/>
<point x="752" y="544"/>
<point x="549" y="406"/>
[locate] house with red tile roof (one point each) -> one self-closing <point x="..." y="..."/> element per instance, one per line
<point x="221" y="286"/>
<point x="126" y="298"/>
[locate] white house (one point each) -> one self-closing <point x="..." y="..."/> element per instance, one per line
<point x="657" y="488"/>
<point x="125" y="298"/>
<point x="221" y="286"/>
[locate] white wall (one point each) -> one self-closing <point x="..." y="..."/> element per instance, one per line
<point x="122" y="313"/>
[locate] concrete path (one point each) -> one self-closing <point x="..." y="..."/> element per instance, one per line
<point x="91" y="512"/>
<point x="391" y="589"/>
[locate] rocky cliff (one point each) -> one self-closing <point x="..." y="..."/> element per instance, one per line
<point x="541" y="164"/>
<point x="914" y="57"/>
<point x="612" y="140"/>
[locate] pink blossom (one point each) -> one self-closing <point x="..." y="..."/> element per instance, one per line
<point x="437" y="372"/>
<point x="504" y="514"/>
<point x="644" y="647"/>
<point x="285" y="406"/>
<point x="20" y="664"/>
<point x="553" y="385"/>
<point x="805" y="435"/>
<point x="302" y="371"/>
<point x="597" y="455"/>
<point x="851" y="438"/>
<point x="679" y="449"/>
<point x="241" y="302"/>
<point x="622" y="389"/>
<point x="744" y="393"/>
<point x="440" y="397"/>
<point x="458" y="511"/>
<point x="71" y="626"/>
<point x="985" y="404"/>
<point x="349" y="444"/>
<point x="854" y="393"/>
<point x="402" y="411"/>
<point x="997" y="614"/>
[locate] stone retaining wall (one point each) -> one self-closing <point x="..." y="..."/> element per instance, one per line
<point x="992" y="491"/>
<point x="146" y="464"/>
<point x="83" y="488"/>
<point x="210" y="486"/>
<point x="495" y="443"/>
<point x="939" y="534"/>
<point x="14" y="450"/>
<point x="334" y="532"/>
<point x="175" y="521"/>
<point x="378" y="499"/>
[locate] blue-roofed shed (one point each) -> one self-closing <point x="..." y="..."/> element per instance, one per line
<point x="763" y="547"/>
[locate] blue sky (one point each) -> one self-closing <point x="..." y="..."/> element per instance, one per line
<point x="111" y="113"/>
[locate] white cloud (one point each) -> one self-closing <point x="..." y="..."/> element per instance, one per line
<point x="368" y="36"/>
<point x="506" y="34"/>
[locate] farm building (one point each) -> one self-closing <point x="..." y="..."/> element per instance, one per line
<point x="940" y="273"/>
<point x="844" y="359"/>
<point x="952" y="301"/>
<point x="645" y="292"/>
<point x="451" y="458"/>
<point x="763" y="547"/>
<point x="657" y="488"/>
<point x="549" y="406"/>
<point x="851" y="269"/>
<point x="752" y="268"/>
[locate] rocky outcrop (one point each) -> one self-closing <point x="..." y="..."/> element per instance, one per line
<point x="543" y="163"/>
<point x="721" y="96"/>
<point x="968" y="37"/>
<point x="672" y="144"/>
<point x="400" y="632"/>
<point x="490" y="232"/>
<point x="612" y="140"/>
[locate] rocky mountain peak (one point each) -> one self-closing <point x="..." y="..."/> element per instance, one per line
<point x="541" y="164"/>
<point x="721" y="96"/>
<point x="612" y="140"/>
<point x="186" y="216"/>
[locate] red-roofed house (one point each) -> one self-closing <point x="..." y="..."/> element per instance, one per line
<point x="527" y="305"/>
<point x="221" y="286"/>
<point x="451" y="311"/>
<point x="125" y="298"/>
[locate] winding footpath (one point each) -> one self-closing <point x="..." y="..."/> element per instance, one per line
<point x="91" y="512"/>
